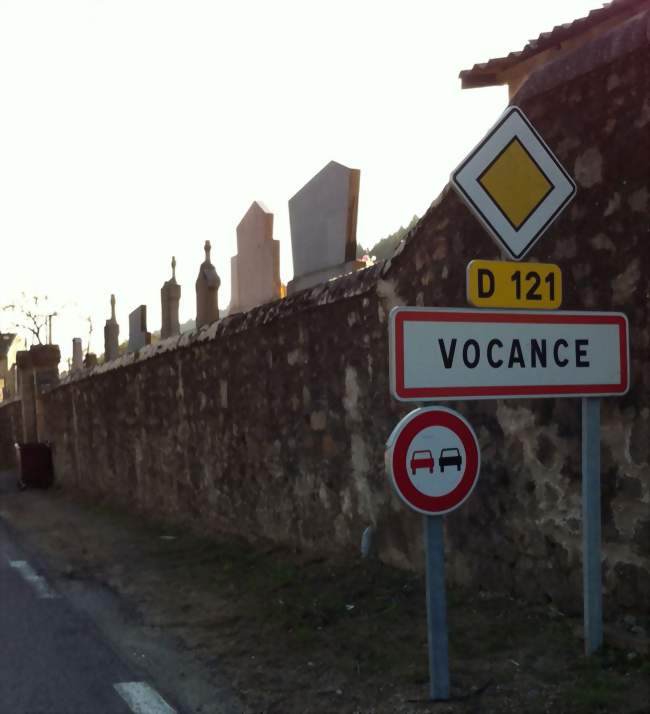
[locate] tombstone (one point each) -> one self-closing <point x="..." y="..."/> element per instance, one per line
<point x="138" y="335"/>
<point x="111" y="335"/>
<point x="170" y="295"/>
<point x="323" y="219"/>
<point x="207" y="288"/>
<point x="255" y="270"/>
<point x="77" y="354"/>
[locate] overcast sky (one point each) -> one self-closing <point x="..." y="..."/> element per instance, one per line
<point x="134" y="130"/>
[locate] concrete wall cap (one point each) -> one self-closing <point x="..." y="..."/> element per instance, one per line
<point x="45" y="355"/>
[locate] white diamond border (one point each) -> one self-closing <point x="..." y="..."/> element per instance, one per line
<point x="464" y="179"/>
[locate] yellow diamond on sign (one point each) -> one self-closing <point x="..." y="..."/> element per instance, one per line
<point x="515" y="183"/>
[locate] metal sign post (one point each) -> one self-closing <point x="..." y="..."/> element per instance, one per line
<point x="433" y="460"/>
<point x="446" y="353"/>
<point x="591" y="546"/>
<point x="436" y="608"/>
<point x="516" y="187"/>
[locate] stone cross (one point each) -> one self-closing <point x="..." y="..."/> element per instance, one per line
<point x="170" y="295"/>
<point x="77" y="354"/>
<point x="111" y="335"/>
<point x="255" y="270"/>
<point x="323" y="219"/>
<point x="207" y="288"/>
<point x="138" y="335"/>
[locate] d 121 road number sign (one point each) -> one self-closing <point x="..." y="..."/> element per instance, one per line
<point x="497" y="283"/>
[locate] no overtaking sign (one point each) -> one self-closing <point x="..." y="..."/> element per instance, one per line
<point x="433" y="460"/>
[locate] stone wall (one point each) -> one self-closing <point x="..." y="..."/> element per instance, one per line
<point x="273" y="422"/>
<point x="11" y="431"/>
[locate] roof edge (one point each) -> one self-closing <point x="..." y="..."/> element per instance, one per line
<point x="605" y="49"/>
<point x="491" y="73"/>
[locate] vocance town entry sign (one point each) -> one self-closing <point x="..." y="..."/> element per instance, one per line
<point x="451" y="353"/>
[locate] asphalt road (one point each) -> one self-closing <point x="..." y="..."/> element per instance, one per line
<point x="52" y="659"/>
<point x="65" y="648"/>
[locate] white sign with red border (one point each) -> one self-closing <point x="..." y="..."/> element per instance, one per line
<point x="450" y="353"/>
<point x="433" y="460"/>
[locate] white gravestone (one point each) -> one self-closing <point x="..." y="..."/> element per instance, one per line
<point x="323" y="218"/>
<point x="77" y="354"/>
<point x="138" y="335"/>
<point x="255" y="270"/>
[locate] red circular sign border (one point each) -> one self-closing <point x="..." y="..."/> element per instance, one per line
<point x="422" y="419"/>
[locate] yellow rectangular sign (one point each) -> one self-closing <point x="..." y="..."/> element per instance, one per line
<point x="494" y="283"/>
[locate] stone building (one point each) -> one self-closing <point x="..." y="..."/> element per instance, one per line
<point x="10" y="343"/>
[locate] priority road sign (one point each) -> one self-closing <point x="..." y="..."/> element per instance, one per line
<point x="499" y="283"/>
<point x="448" y="353"/>
<point x="433" y="460"/>
<point x="513" y="183"/>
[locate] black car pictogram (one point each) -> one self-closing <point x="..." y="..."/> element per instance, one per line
<point x="450" y="457"/>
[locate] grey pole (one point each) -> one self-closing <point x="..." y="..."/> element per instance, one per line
<point x="591" y="538"/>
<point x="49" y="327"/>
<point x="436" y="608"/>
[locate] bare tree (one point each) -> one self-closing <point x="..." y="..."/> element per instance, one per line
<point x="31" y="314"/>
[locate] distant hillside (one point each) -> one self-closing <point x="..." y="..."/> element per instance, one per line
<point x="385" y="248"/>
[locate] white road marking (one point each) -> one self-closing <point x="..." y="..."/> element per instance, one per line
<point x="142" y="699"/>
<point x="36" y="581"/>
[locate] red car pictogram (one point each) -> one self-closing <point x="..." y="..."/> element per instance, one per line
<point x="422" y="460"/>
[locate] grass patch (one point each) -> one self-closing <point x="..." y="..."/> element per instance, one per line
<point x="595" y="695"/>
<point x="598" y="683"/>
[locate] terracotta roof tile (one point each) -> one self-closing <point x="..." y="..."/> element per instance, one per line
<point x="486" y="73"/>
